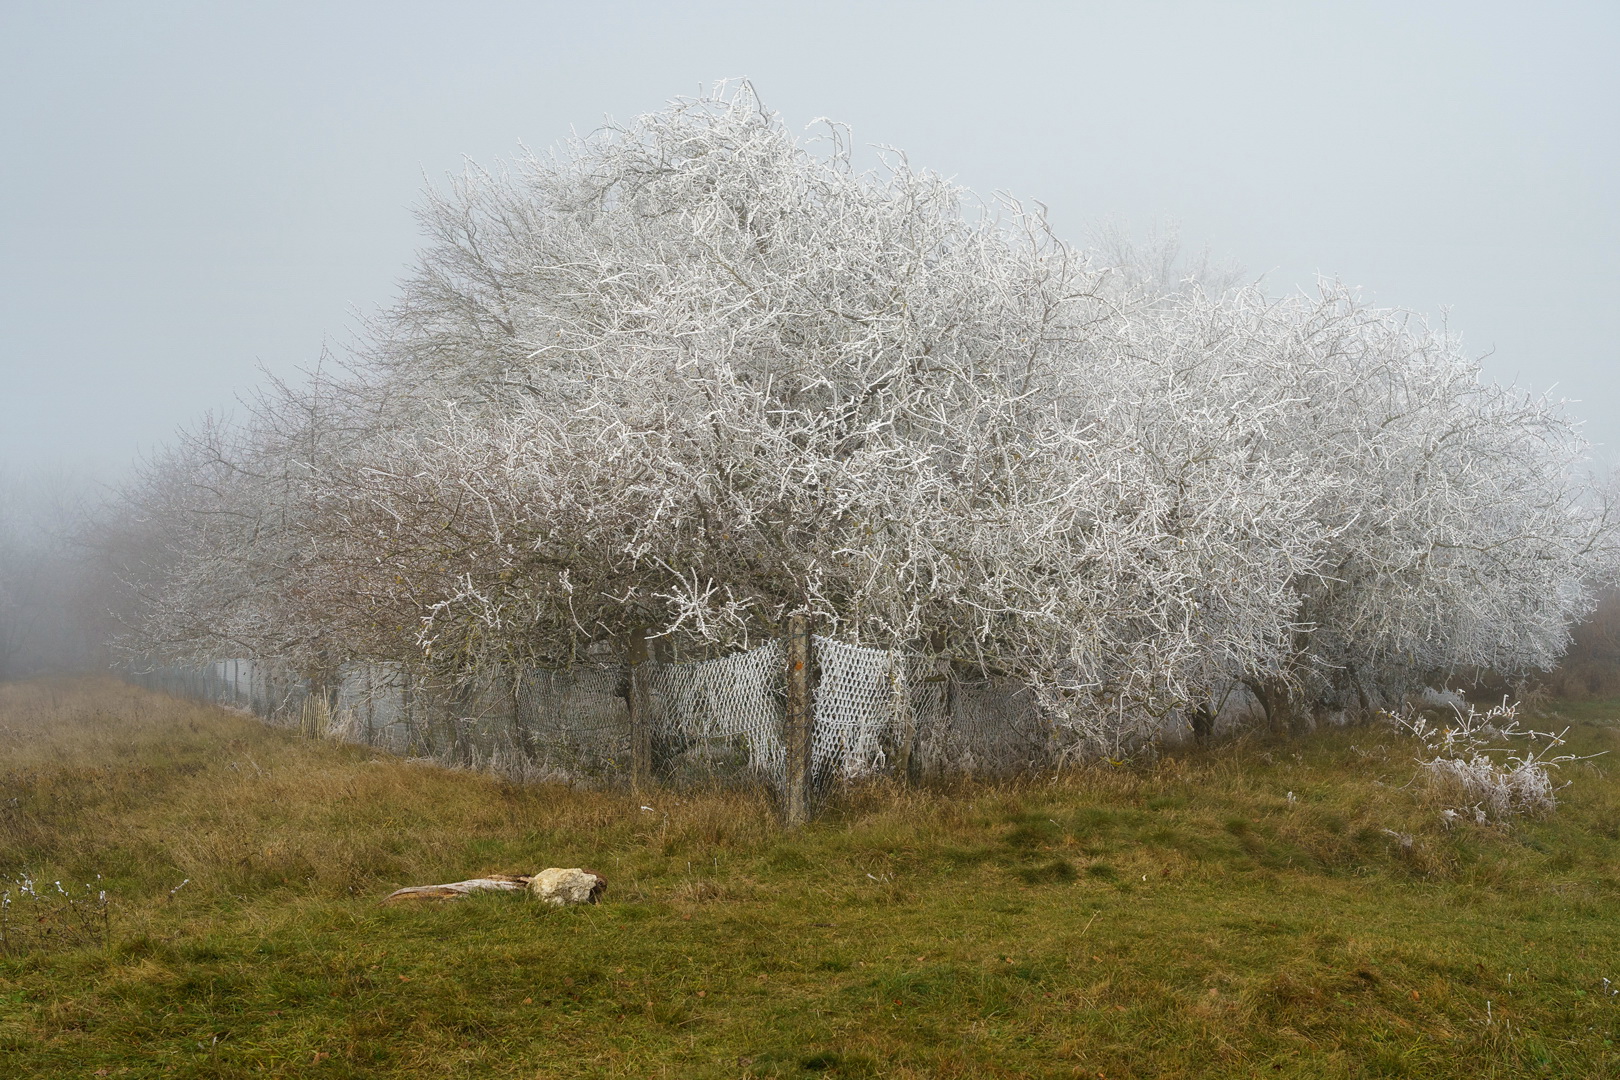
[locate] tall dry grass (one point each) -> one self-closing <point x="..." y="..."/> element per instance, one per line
<point x="98" y="777"/>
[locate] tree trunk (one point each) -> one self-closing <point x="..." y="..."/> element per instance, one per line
<point x="1203" y="724"/>
<point x="1276" y="702"/>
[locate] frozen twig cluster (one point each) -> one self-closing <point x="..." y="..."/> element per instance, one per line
<point x="36" y="915"/>
<point x="690" y="375"/>
<point x="1482" y="765"/>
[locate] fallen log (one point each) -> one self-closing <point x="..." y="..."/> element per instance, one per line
<point x="458" y="889"/>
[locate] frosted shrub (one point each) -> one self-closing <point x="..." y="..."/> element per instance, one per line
<point x="1482" y="766"/>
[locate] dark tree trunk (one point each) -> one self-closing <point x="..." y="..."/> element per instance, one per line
<point x="1277" y="703"/>
<point x="1203" y="724"/>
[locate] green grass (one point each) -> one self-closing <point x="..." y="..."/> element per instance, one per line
<point x="1178" y="918"/>
<point x="1584" y="710"/>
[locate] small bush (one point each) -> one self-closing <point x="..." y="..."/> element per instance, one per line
<point x="1471" y="779"/>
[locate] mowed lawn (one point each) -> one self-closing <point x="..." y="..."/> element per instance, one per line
<point x="1179" y="917"/>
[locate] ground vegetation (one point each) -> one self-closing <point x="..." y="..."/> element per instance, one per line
<point x="1285" y="908"/>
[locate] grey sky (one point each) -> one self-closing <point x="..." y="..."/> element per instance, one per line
<point x="187" y="190"/>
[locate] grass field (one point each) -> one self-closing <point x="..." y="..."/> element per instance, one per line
<point x="1183" y="917"/>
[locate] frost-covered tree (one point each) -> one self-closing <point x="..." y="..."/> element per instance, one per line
<point x="1456" y="535"/>
<point x="692" y="376"/>
<point x="689" y="376"/>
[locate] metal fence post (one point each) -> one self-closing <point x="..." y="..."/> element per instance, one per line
<point x="798" y="720"/>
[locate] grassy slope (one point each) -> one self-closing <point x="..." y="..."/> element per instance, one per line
<point x="1182" y="919"/>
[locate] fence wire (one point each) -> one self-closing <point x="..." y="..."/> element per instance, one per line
<point x="874" y="712"/>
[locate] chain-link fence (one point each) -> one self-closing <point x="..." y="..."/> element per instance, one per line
<point x="874" y="711"/>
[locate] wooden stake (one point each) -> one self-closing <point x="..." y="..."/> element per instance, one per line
<point x="797" y="721"/>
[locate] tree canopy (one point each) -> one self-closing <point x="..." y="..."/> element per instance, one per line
<point x="693" y="375"/>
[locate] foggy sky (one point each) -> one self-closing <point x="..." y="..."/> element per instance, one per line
<point x="190" y="190"/>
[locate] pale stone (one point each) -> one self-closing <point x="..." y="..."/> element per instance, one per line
<point x="570" y="886"/>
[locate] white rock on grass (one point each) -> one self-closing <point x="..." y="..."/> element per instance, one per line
<point x="571" y="886"/>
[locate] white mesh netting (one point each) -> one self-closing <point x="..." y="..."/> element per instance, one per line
<point x="722" y="715"/>
<point x="856" y="700"/>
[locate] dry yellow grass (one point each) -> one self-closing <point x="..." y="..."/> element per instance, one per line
<point x="244" y="806"/>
